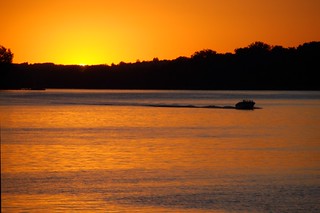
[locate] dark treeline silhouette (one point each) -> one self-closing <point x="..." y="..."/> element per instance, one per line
<point x="258" y="66"/>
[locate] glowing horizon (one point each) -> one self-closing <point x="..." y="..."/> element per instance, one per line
<point x="105" y="32"/>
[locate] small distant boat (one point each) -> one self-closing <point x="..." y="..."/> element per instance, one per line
<point x="245" y="104"/>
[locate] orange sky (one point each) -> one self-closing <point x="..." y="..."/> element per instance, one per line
<point x="106" y="31"/>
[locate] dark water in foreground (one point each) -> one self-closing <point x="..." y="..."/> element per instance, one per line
<point x="110" y="151"/>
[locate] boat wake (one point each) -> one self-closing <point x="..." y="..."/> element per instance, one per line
<point x="175" y="106"/>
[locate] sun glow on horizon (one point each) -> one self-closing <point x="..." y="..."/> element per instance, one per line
<point x="106" y="32"/>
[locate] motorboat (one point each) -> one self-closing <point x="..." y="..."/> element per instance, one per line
<point x="245" y="104"/>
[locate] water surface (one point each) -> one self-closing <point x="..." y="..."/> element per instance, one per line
<point x="110" y="151"/>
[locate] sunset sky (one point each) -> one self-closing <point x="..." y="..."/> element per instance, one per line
<point x="110" y="31"/>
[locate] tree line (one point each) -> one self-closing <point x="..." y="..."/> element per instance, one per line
<point x="258" y="66"/>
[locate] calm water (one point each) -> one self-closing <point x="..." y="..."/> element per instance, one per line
<point x="111" y="151"/>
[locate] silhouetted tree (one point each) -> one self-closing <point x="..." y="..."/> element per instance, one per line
<point x="278" y="50"/>
<point x="260" y="46"/>
<point x="6" y="55"/>
<point x="256" y="48"/>
<point x="204" y="54"/>
<point x="310" y="49"/>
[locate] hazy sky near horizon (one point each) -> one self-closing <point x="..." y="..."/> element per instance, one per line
<point x="110" y="31"/>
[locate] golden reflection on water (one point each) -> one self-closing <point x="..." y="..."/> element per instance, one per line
<point x="275" y="140"/>
<point x="133" y="137"/>
<point x="70" y="203"/>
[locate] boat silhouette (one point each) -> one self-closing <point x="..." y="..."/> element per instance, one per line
<point x="245" y="104"/>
